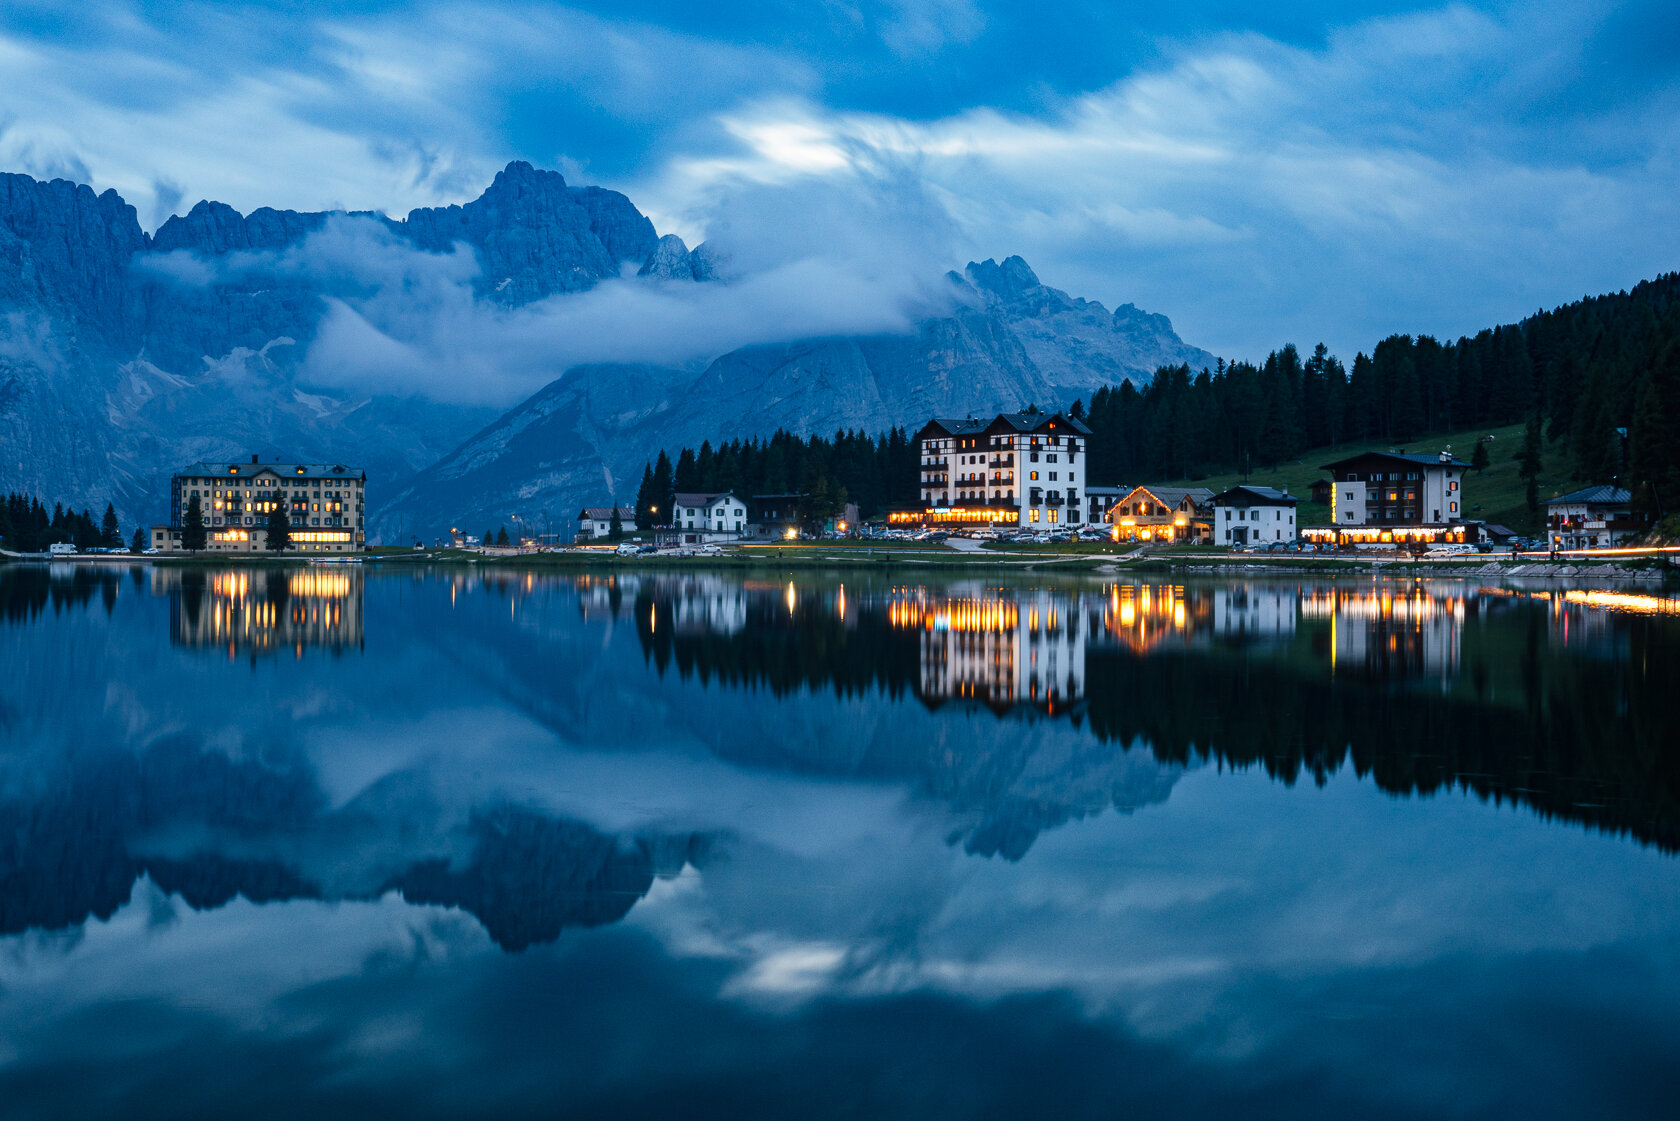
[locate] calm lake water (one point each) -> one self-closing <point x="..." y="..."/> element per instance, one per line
<point x="435" y="843"/>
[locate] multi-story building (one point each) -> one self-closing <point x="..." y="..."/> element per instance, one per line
<point x="1593" y="518"/>
<point x="1253" y="516"/>
<point x="1395" y="498"/>
<point x="1182" y="514"/>
<point x="1017" y="469"/>
<point x="698" y="519"/>
<point x="326" y="505"/>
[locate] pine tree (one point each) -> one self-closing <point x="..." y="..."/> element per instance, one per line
<point x="645" y="500"/>
<point x="1529" y="457"/>
<point x="1479" y="458"/>
<point x="193" y="535"/>
<point x="615" y="528"/>
<point x="279" y="529"/>
<point x="663" y="488"/>
<point x="1654" y="441"/>
<point x="502" y="538"/>
<point x="109" y="535"/>
<point x="138" y="544"/>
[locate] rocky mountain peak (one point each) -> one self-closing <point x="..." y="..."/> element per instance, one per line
<point x="1010" y="280"/>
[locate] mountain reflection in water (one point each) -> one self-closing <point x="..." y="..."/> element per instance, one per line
<point x="1050" y="823"/>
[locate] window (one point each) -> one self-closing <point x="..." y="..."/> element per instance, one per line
<point x="1033" y="474"/>
<point x="1052" y="459"/>
<point x="1452" y="507"/>
<point x="1053" y="515"/>
<point x="1052" y="476"/>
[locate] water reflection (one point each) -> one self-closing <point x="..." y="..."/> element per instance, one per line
<point x="677" y="843"/>
<point x="258" y="612"/>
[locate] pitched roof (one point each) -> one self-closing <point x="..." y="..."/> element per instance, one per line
<point x="698" y="499"/>
<point x="1402" y="457"/>
<point x="1172" y="496"/>
<point x="1594" y="496"/>
<point x="1032" y="422"/>
<point x="238" y="470"/>
<point x="1255" y="496"/>
<point x="605" y="513"/>
<point x="954" y="426"/>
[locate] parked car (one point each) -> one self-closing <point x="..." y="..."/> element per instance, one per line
<point x="627" y="549"/>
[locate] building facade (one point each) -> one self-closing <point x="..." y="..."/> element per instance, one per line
<point x="595" y="522"/>
<point x="700" y="519"/>
<point x="1593" y="518"/>
<point x="1018" y="469"/>
<point x="1253" y="516"/>
<point x="1173" y="514"/>
<point x="325" y="503"/>
<point x="1392" y="498"/>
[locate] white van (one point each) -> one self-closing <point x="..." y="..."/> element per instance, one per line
<point x="61" y="549"/>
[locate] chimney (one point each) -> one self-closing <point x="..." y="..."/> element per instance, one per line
<point x="253" y="457"/>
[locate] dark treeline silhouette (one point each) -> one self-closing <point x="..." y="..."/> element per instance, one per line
<point x="807" y="648"/>
<point x="1588" y="744"/>
<point x="1579" y="373"/>
<point x="876" y="472"/>
<point x="26" y="591"/>
<point x="26" y="527"/>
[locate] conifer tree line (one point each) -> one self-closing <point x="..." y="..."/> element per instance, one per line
<point x="876" y="472"/>
<point x="1577" y="374"/>
<point x="26" y="527"/>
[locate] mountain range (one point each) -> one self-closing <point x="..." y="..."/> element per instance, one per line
<point x="124" y="355"/>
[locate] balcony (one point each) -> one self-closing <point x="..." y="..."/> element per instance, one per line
<point x="1003" y="461"/>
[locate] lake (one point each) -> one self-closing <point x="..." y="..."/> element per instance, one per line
<point x="444" y="842"/>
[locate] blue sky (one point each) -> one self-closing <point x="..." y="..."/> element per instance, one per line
<point x="1260" y="173"/>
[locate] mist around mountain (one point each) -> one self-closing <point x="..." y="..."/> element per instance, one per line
<point x="399" y="345"/>
<point x="1006" y="341"/>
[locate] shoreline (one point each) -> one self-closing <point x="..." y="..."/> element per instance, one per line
<point x="1646" y="570"/>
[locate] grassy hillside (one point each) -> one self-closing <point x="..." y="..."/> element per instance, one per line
<point x="1495" y="495"/>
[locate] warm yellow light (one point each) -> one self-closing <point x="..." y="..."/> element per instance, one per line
<point x="791" y="535"/>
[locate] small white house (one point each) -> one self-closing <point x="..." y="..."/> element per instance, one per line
<point x="596" y="521"/>
<point x="1253" y="516"/>
<point x="700" y="519"/>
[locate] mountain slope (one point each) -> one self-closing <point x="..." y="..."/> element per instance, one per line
<point x="123" y="355"/>
<point x="584" y="438"/>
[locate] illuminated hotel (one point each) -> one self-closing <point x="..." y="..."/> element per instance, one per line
<point x="1021" y="470"/>
<point x="264" y="612"/>
<point x="1003" y="652"/>
<point x="324" y="502"/>
<point x="1391" y="498"/>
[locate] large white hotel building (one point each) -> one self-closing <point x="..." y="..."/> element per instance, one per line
<point x="1021" y="469"/>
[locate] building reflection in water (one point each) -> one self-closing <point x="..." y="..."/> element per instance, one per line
<point x="1403" y="631"/>
<point x="263" y="612"/>
<point x="1002" y="651"/>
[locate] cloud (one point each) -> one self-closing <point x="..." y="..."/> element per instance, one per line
<point x="810" y="259"/>
<point x="1317" y="171"/>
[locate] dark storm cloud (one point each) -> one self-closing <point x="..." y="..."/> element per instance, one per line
<point x="1298" y="172"/>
